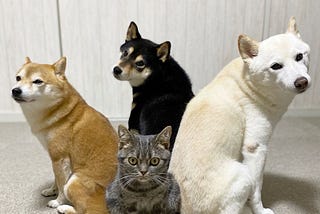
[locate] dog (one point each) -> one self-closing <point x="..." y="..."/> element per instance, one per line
<point x="161" y="88"/>
<point x="81" y="142"/>
<point x="220" y="150"/>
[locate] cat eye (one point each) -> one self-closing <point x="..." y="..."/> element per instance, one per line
<point x="154" y="161"/>
<point x="133" y="161"/>
<point x="140" y="64"/>
<point x="276" y="66"/>
<point x="18" y="78"/>
<point x="37" y="81"/>
<point x="299" y="57"/>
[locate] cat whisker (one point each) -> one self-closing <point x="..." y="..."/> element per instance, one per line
<point x="127" y="183"/>
<point x="161" y="180"/>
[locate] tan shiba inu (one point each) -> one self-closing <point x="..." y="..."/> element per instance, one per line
<point x="81" y="142"/>
<point x="220" y="150"/>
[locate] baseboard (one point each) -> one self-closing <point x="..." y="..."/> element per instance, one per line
<point x="302" y="113"/>
<point x="19" y="117"/>
<point x="10" y="117"/>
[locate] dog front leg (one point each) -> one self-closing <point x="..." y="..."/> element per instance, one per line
<point x="134" y="119"/>
<point x="61" y="169"/>
<point x="254" y="156"/>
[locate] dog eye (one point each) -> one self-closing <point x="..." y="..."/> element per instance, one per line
<point x="140" y="64"/>
<point x="37" y="81"/>
<point x="125" y="53"/>
<point x="299" y="57"/>
<point x="18" y="78"/>
<point x="276" y="66"/>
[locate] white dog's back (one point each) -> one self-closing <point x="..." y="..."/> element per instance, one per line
<point x="216" y="142"/>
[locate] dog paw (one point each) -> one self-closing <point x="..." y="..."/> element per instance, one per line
<point x="65" y="209"/>
<point x="49" y="192"/>
<point x="267" y="211"/>
<point x="53" y="203"/>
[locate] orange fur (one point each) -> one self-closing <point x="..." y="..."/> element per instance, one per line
<point x="81" y="142"/>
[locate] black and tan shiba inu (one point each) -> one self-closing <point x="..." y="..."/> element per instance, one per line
<point x="161" y="88"/>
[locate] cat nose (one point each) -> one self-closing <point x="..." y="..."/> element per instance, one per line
<point x="301" y="83"/>
<point x="16" y="92"/>
<point x="143" y="172"/>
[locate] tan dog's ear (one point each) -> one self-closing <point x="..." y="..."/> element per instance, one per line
<point x="248" y="48"/>
<point x="125" y="137"/>
<point x="163" y="51"/>
<point x="133" y="32"/>
<point x="27" y="60"/>
<point x="60" y="66"/>
<point x="292" y="27"/>
<point x="164" y="137"/>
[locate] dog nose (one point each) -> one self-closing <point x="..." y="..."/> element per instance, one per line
<point x="117" y="70"/>
<point x="301" y="83"/>
<point x="16" y="92"/>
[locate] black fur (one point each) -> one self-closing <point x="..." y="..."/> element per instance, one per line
<point x="163" y="96"/>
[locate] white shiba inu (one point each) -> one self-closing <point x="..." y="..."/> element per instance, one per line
<point x="81" y="142"/>
<point x="220" y="150"/>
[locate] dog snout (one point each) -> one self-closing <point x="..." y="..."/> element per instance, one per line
<point x="301" y="84"/>
<point x="117" y="71"/>
<point x="16" y="92"/>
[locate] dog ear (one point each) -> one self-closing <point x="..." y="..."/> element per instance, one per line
<point x="292" y="27"/>
<point x="248" y="48"/>
<point x="60" y="66"/>
<point x="133" y="32"/>
<point x="164" y="137"/>
<point x="27" y="60"/>
<point x="163" y="51"/>
<point x="125" y="137"/>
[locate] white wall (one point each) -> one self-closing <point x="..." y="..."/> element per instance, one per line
<point x="203" y="34"/>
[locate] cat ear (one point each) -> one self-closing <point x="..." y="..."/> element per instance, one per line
<point x="125" y="137"/>
<point x="134" y="131"/>
<point x="164" y="137"/>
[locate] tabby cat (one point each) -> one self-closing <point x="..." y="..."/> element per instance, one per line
<point x="142" y="184"/>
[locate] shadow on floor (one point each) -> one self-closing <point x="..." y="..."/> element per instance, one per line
<point x="301" y="193"/>
<point x="41" y="201"/>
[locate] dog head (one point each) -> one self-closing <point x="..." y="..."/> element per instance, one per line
<point x="279" y="61"/>
<point x="139" y="57"/>
<point x="39" y="82"/>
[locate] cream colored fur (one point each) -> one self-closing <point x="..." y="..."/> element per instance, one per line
<point x="81" y="142"/>
<point x="221" y="146"/>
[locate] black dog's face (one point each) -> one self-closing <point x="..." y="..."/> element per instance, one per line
<point x="139" y="57"/>
<point x="135" y="62"/>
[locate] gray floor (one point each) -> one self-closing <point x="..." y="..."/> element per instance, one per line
<point x="291" y="186"/>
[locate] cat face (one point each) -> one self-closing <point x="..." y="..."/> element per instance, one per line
<point x="143" y="158"/>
